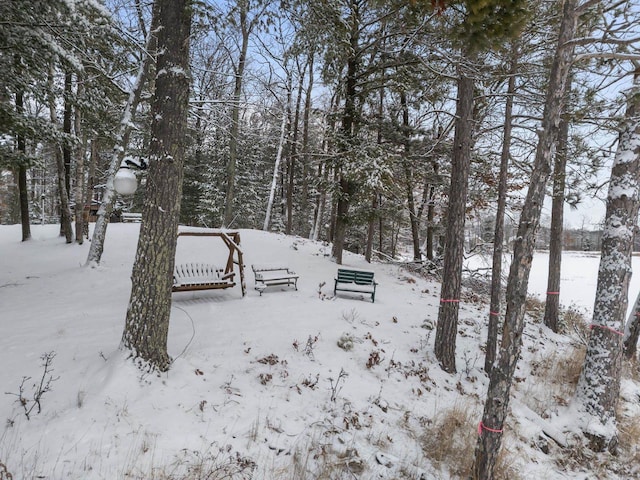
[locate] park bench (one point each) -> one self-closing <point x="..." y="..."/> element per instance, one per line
<point x="129" y="217"/>
<point x="268" y="275"/>
<point x="200" y="276"/>
<point x="358" y="281"/>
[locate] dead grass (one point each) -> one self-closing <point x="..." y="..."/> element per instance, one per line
<point x="534" y="307"/>
<point x="553" y="379"/>
<point x="450" y="439"/>
<point x="575" y="324"/>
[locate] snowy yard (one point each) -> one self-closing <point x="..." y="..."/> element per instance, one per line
<point x="287" y="385"/>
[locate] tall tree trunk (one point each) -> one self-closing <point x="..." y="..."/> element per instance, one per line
<point x="552" y="305"/>
<point x="498" y="234"/>
<point x="235" y="114"/>
<point x="346" y="188"/>
<point x="122" y="141"/>
<point x="276" y="167"/>
<point x="408" y="178"/>
<point x="431" y="212"/>
<point x="445" y="343"/>
<point x="66" y="128"/>
<point x="23" y="191"/>
<point x="632" y="331"/>
<point x="293" y="156"/>
<point x="80" y="171"/>
<point x="147" y="322"/>
<point x="306" y="157"/>
<point x="501" y="377"/>
<point x="88" y="199"/>
<point x="599" y="384"/>
<point x="66" y="229"/>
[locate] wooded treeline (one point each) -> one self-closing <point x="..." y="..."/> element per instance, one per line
<point x="349" y="106"/>
<point x="379" y="126"/>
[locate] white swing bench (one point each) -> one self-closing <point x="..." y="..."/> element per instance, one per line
<point x="268" y="275"/>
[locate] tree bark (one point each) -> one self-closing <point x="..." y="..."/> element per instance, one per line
<point x="66" y="229"/>
<point x="552" y="305"/>
<point x="293" y="156"/>
<point x="119" y="149"/>
<point x="235" y="114"/>
<point x="632" y="331"/>
<point x="599" y="384"/>
<point x="23" y="191"/>
<point x="80" y="172"/>
<point x="276" y="167"/>
<point x="346" y="187"/>
<point x="446" y="331"/>
<point x="147" y="322"/>
<point x="408" y="178"/>
<point x="501" y="377"/>
<point x="306" y="157"/>
<point x="498" y="234"/>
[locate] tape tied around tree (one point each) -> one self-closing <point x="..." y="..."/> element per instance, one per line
<point x="604" y="327"/>
<point x="449" y="300"/>
<point x="482" y="426"/>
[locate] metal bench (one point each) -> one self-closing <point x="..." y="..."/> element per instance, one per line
<point x="267" y="275"/>
<point x="357" y="281"/>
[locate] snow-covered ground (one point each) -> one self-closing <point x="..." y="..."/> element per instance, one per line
<point x="287" y="385"/>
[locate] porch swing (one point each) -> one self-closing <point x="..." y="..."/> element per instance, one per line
<point x="204" y="276"/>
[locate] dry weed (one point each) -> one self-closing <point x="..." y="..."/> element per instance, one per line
<point x="450" y="438"/>
<point x="534" y="307"/>
<point x="554" y="377"/>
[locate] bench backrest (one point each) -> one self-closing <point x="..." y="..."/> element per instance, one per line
<point x="359" y="277"/>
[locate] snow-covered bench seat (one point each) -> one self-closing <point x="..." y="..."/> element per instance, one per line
<point x="200" y="276"/>
<point x="129" y="217"/>
<point x="267" y="275"/>
<point x="358" y="281"/>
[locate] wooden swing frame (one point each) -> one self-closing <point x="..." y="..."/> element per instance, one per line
<point x="197" y="276"/>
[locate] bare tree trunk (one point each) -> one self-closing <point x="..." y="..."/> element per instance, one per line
<point x="408" y="178"/>
<point x="88" y="199"/>
<point x="632" y="332"/>
<point x="599" y="384"/>
<point x="501" y="377"/>
<point x="306" y="157"/>
<point x="147" y="323"/>
<point x="552" y="305"/>
<point x="446" y="331"/>
<point x="120" y="147"/>
<point x="23" y="191"/>
<point x="235" y="113"/>
<point x="293" y="156"/>
<point x="65" y="211"/>
<point x="80" y="172"/>
<point x="66" y="128"/>
<point x="498" y="234"/>
<point x="345" y="187"/>
<point x="276" y="167"/>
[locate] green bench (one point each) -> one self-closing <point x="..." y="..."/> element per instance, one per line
<point x="357" y="281"/>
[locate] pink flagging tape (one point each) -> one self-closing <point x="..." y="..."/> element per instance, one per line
<point x="449" y="300"/>
<point x="497" y="314"/>
<point x="553" y="293"/>
<point x="482" y="426"/>
<point x="604" y="327"/>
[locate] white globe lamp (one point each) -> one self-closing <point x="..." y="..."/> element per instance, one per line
<point x="125" y="182"/>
